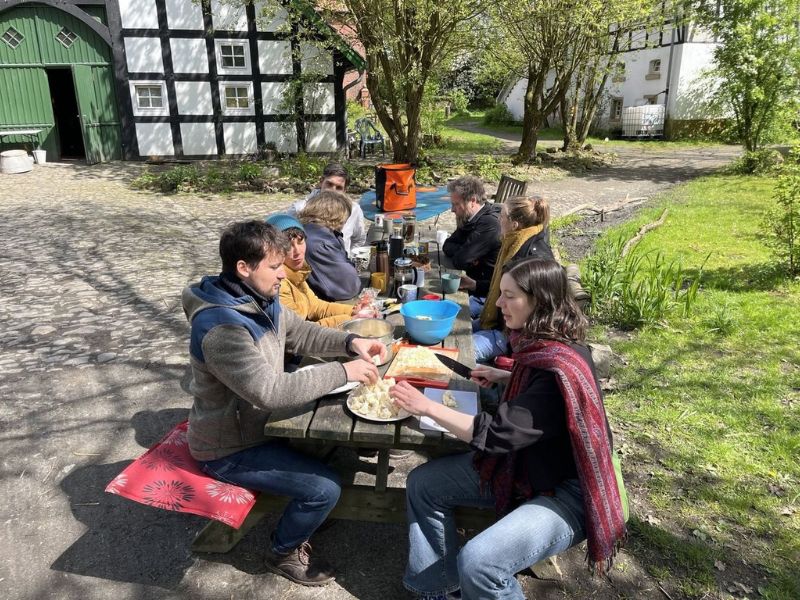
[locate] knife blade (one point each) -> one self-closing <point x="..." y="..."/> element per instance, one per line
<point x="455" y="366"/>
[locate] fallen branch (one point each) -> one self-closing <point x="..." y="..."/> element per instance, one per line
<point x="645" y="228"/>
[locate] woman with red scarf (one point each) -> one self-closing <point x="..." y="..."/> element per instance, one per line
<point x="543" y="461"/>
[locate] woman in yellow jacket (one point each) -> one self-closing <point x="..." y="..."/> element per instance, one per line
<point x="295" y="293"/>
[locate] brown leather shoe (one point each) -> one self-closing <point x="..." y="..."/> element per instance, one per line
<point x="299" y="566"/>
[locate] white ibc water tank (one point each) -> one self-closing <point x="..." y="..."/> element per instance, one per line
<point x="643" y="121"/>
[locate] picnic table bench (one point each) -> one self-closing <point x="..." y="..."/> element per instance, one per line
<point x="328" y="424"/>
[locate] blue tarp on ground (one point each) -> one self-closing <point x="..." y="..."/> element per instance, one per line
<point x="429" y="204"/>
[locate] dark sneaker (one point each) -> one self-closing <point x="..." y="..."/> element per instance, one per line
<point x="299" y="566"/>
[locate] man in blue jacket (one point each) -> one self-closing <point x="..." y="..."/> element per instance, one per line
<point x="238" y="341"/>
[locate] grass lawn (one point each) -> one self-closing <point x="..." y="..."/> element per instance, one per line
<point x="707" y="408"/>
<point x="554" y="136"/>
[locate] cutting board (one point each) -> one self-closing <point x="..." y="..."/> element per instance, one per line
<point x="431" y="375"/>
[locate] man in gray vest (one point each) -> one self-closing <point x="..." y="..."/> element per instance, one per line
<point x="238" y="340"/>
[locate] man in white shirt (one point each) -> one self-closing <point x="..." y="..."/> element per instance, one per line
<point x="336" y="178"/>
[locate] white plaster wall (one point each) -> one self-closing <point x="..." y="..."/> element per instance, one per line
<point x="321" y="137"/>
<point x="184" y="14"/>
<point x="240" y="138"/>
<point x="272" y="97"/>
<point x="198" y="138"/>
<point x="270" y="17"/>
<point x="283" y="135"/>
<point x="318" y="99"/>
<point x="189" y="55"/>
<point x="315" y="60"/>
<point x="194" y="98"/>
<point x="155" y="139"/>
<point x="275" y="57"/>
<point x="636" y="85"/>
<point x="693" y="64"/>
<point x="143" y="55"/>
<point x="138" y="14"/>
<point x="229" y="16"/>
<point x="515" y="99"/>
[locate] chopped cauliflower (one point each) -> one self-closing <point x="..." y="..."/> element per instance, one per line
<point x="449" y="399"/>
<point x="373" y="401"/>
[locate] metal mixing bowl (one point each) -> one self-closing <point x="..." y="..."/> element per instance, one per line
<point x="373" y="328"/>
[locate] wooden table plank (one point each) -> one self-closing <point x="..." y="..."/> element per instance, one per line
<point x="294" y="427"/>
<point x="331" y="420"/>
<point x="374" y="433"/>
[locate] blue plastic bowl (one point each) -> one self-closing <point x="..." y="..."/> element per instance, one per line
<point x="441" y="314"/>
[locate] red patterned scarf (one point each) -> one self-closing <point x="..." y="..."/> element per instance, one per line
<point x="586" y="422"/>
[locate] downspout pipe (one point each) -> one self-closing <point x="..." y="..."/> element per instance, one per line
<point x="669" y="73"/>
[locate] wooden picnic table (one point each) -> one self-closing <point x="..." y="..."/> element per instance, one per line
<point x="329" y="424"/>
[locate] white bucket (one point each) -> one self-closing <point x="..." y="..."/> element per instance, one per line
<point x="40" y="156"/>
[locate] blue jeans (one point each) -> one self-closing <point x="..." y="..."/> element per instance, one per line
<point x="274" y="467"/>
<point x="489" y="343"/>
<point x="486" y="565"/>
<point x="476" y="306"/>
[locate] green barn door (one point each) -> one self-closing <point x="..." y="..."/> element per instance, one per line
<point x="90" y="128"/>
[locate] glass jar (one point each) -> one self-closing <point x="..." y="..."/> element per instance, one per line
<point x="409" y="228"/>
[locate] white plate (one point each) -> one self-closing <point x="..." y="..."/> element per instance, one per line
<point x="339" y="390"/>
<point x="466" y="402"/>
<point x="403" y="414"/>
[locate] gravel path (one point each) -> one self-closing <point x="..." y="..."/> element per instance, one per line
<point x="93" y="369"/>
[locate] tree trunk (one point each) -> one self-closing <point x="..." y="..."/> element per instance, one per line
<point x="531" y="121"/>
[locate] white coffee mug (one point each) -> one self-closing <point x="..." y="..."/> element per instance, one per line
<point x="407" y="292"/>
<point x="379" y="221"/>
<point x="441" y="236"/>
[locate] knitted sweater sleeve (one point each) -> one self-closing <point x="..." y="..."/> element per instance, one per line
<point x="236" y="361"/>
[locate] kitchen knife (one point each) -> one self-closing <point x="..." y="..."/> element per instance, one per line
<point x="455" y="366"/>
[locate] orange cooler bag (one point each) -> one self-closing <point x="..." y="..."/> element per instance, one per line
<point x="395" y="188"/>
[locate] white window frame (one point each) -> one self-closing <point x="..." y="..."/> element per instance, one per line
<point x="245" y="45"/>
<point x="654" y="66"/>
<point x="248" y="85"/>
<point x="15" y="37"/>
<point x="651" y="99"/>
<point x="162" y="111"/>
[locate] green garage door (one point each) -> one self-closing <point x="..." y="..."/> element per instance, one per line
<point x="35" y="39"/>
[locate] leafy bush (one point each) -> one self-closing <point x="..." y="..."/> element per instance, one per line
<point x="249" y="172"/>
<point x="179" y="177"/>
<point x="499" y="115"/>
<point x="459" y="102"/>
<point x="303" y="167"/>
<point x="637" y="289"/>
<point x="355" y="112"/>
<point x="756" y="162"/>
<point x="488" y="167"/>
<point x="782" y="223"/>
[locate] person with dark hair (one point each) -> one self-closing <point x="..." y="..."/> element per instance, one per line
<point x="543" y="461"/>
<point x="295" y="291"/>
<point x="333" y="277"/>
<point x="335" y="178"/>
<point x="239" y="336"/>
<point x="474" y="244"/>
<point x="523" y="229"/>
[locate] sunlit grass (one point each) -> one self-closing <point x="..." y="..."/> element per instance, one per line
<point x="711" y="414"/>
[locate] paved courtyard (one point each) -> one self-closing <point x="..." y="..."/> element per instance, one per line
<point x="93" y="370"/>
